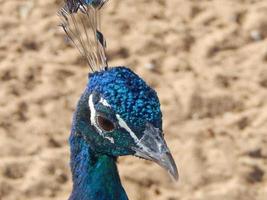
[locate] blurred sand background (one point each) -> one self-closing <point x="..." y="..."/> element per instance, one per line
<point x="206" y="58"/>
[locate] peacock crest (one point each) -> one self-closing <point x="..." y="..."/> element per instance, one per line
<point x="80" y="20"/>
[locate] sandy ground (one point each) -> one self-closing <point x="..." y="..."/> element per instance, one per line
<point x="206" y="58"/>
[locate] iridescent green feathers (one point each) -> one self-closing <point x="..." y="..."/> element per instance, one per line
<point x="80" y="20"/>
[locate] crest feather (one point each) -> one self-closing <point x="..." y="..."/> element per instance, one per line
<point x="80" y="20"/>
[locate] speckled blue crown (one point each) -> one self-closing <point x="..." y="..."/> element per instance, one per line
<point x="129" y="96"/>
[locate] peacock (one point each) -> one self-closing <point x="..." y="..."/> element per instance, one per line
<point x="118" y="114"/>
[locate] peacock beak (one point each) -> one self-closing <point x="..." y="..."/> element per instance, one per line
<point x="152" y="146"/>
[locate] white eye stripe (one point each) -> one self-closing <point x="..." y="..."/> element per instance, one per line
<point x="104" y="102"/>
<point x="93" y="114"/>
<point x="111" y="139"/>
<point x="93" y="118"/>
<point x="124" y="125"/>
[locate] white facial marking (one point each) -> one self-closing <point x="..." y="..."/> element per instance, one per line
<point x="104" y="102"/>
<point x="111" y="139"/>
<point x="123" y="124"/>
<point x="93" y="114"/>
<point x="93" y="119"/>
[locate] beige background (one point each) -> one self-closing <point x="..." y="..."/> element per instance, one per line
<point x="206" y="58"/>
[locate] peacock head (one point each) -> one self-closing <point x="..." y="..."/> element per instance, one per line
<point x="119" y="114"/>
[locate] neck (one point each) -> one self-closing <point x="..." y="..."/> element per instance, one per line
<point x="95" y="177"/>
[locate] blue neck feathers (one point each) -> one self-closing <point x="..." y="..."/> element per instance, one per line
<point x="95" y="177"/>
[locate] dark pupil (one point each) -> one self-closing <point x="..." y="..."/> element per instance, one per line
<point x="105" y="124"/>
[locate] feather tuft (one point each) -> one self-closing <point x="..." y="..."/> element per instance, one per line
<point x="80" y="20"/>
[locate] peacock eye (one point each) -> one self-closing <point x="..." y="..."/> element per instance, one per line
<point x="105" y="124"/>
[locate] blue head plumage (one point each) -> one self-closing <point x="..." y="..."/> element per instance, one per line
<point x="129" y="96"/>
